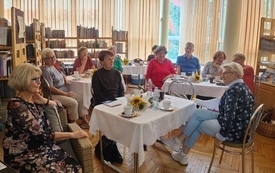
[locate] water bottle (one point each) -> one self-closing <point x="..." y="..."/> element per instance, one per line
<point x="156" y="99"/>
<point x="149" y="88"/>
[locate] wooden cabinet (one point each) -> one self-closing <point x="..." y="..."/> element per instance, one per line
<point x="266" y="51"/>
<point x="266" y="95"/>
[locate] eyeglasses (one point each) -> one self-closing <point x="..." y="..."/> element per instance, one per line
<point x="50" y="57"/>
<point x="226" y="72"/>
<point x="36" y="79"/>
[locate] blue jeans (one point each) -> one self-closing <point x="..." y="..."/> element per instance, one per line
<point x="202" y="121"/>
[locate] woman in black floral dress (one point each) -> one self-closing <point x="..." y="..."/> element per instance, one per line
<point x="29" y="141"/>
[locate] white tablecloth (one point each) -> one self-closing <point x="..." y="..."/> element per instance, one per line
<point x="144" y="129"/>
<point x="128" y="70"/>
<point x="202" y="88"/>
<point x="83" y="88"/>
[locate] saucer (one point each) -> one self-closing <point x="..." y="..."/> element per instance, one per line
<point x="128" y="116"/>
<point x="170" y="109"/>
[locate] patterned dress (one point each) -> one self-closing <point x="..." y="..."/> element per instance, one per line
<point x="29" y="144"/>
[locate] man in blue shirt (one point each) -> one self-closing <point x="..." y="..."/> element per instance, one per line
<point x="188" y="63"/>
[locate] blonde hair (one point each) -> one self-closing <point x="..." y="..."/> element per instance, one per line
<point x="45" y="51"/>
<point x="81" y="49"/>
<point x="21" y="76"/>
<point x="111" y="47"/>
<point x="234" y="67"/>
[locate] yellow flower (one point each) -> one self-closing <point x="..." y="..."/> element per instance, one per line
<point x="197" y="77"/>
<point x="136" y="100"/>
<point x="138" y="103"/>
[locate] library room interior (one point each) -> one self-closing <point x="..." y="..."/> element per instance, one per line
<point x="146" y="86"/>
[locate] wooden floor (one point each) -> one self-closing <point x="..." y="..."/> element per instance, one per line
<point x="158" y="158"/>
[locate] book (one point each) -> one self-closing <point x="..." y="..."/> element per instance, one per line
<point x="111" y="103"/>
<point x="212" y="104"/>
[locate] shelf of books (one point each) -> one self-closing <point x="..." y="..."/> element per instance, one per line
<point x="120" y="40"/>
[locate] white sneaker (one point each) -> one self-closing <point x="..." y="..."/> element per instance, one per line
<point x="173" y="143"/>
<point x="180" y="157"/>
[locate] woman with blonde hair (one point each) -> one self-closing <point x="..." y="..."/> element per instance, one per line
<point x="29" y="142"/>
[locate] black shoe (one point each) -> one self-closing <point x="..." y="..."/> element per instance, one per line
<point x="144" y="147"/>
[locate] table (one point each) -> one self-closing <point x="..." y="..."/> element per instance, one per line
<point x="83" y="88"/>
<point x="128" y="70"/>
<point x="202" y="88"/>
<point x="144" y="129"/>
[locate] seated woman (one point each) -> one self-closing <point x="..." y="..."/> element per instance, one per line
<point x="152" y="56"/>
<point x="117" y="59"/>
<point x="213" y="67"/>
<point x="60" y="91"/>
<point x="235" y="109"/>
<point x="160" y="68"/>
<point x="29" y="142"/>
<point x="83" y="62"/>
<point x="106" y="81"/>
<point x="248" y="71"/>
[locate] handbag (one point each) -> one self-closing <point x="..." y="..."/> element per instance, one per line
<point x="110" y="151"/>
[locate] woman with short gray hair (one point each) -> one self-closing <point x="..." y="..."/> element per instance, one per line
<point x="228" y="124"/>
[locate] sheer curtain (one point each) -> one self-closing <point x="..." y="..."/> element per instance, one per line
<point x="200" y="25"/>
<point x="140" y="18"/>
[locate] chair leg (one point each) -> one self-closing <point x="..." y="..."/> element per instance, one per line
<point x="243" y="160"/>
<point x="252" y="160"/>
<point x="222" y="154"/>
<point x="213" y="156"/>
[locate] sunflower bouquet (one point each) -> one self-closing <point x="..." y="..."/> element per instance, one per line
<point x="138" y="103"/>
<point x="197" y="77"/>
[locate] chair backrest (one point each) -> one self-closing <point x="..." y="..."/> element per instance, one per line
<point x="256" y="86"/>
<point x="181" y="88"/>
<point x="253" y="124"/>
<point x="45" y="86"/>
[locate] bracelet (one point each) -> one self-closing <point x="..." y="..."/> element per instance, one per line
<point x="47" y="102"/>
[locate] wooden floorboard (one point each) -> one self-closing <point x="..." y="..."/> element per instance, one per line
<point x="158" y="158"/>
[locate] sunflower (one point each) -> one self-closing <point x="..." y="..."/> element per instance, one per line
<point x="197" y="77"/>
<point x="136" y="101"/>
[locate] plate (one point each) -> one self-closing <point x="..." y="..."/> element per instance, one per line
<point x="170" y="109"/>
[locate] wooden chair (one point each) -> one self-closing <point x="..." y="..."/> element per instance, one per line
<point x="181" y="88"/>
<point x="247" y="146"/>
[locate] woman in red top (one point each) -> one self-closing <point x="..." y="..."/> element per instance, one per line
<point x="83" y="62"/>
<point x="248" y="71"/>
<point x="160" y="68"/>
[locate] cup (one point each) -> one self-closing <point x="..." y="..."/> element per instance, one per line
<point x="128" y="110"/>
<point x="136" y="92"/>
<point x="176" y="77"/>
<point x="76" y="74"/>
<point x="166" y="104"/>
<point x="161" y="95"/>
<point x="211" y="80"/>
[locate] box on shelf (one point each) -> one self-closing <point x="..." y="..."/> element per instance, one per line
<point x="137" y="80"/>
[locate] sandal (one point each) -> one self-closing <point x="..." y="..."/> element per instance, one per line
<point x="84" y="126"/>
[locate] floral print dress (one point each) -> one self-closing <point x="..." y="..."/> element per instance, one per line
<point x="28" y="142"/>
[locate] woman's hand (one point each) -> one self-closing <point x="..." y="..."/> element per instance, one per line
<point x="38" y="99"/>
<point x="67" y="82"/>
<point x="79" y="134"/>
